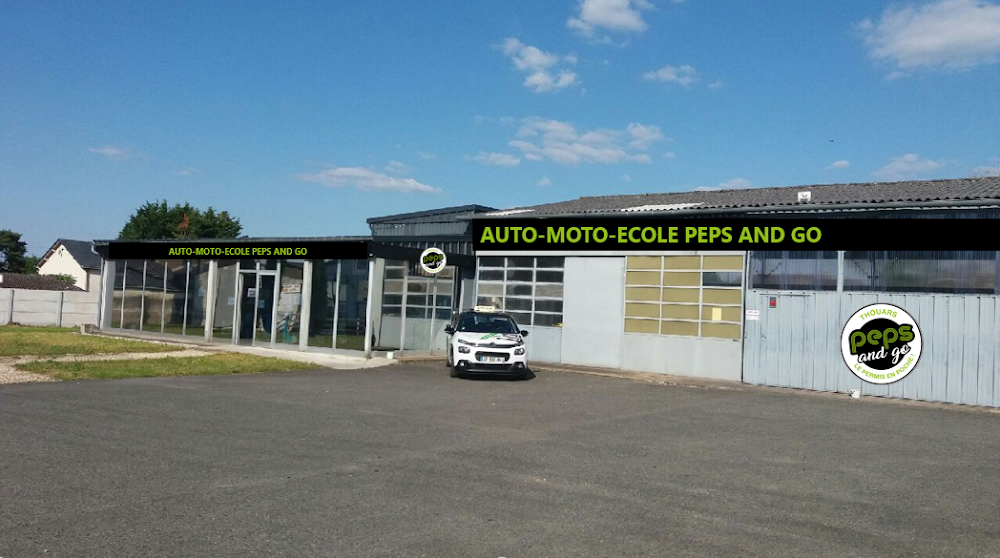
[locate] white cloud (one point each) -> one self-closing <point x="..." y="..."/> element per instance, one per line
<point x="949" y="34"/>
<point x="623" y="16"/>
<point x="626" y="178"/>
<point x="987" y="170"/>
<point x="907" y="166"/>
<point x="111" y="152"/>
<point x="395" y="167"/>
<point x="842" y="164"/>
<point x="561" y="143"/>
<point x="367" y="180"/>
<point x="544" y="181"/>
<point x="426" y="156"/>
<point x="187" y="171"/>
<point x="684" y="75"/>
<point x="642" y="136"/>
<point x="716" y="84"/>
<point x="734" y="184"/>
<point x="494" y="159"/>
<point x="546" y="71"/>
<point x="670" y="155"/>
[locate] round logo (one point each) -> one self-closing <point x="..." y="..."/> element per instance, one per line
<point x="433" y="260"/>
<point x="881" y="343"/>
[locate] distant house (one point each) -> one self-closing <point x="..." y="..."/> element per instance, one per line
<point x="28" y="282"/>
<point x="74" y="258"/>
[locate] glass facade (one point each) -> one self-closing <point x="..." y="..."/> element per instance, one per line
<point x="256" y="301"/>
<point x="415" y="306"/>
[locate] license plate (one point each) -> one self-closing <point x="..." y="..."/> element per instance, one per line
<point x="491" y="360"/>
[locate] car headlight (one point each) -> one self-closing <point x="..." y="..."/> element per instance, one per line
<point x="519" y="351"/>
<point x="464" y="350"/>
<point x="464" y="342"/>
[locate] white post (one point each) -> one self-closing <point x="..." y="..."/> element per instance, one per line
<point x="368" y="308"/>
<point x="305" y="299"/>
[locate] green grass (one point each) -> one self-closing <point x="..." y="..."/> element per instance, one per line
<point x="226" y="363"/>
<point x="54" y="341"/>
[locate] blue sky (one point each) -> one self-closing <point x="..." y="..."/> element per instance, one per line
<point x="304" y="118"/>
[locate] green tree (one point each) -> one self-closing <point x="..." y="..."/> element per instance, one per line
<point x="31" y="264"/>
<point x="12" y="250"/>
<point x="157" y="220"/>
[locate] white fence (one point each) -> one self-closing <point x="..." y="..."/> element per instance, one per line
<point x="49" y="308"/>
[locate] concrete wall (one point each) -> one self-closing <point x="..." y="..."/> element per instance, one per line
<point x="49" y="308"/>
<point x="797" y="344"/>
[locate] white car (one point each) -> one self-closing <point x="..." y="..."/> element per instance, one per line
<point x="486" y="342"/>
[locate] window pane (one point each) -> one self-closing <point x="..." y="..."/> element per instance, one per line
<point x="491" y="288"/>
<point x="416" y="287"/>
<point x="550" y="262"/>
<point x="521" y="319"/>
<point x="490" y="275"/>
<point x="197" y="293"/>
<point x="173" y="307"/>
<point x="494" y="301"/>
<point x="352" y="310"/>
<point x="323" y="302"/>
<point x="523" y="275"/>
<point x="442" y="301"/>
<point x="549" y="277"/>
<point x="518" y="303"/>
<point x="443" y="314"/>
<point x="548" y="320"/>
<point x="957" y="272"/>
<point x="393" y="299"/>
<point x="392" y="311"/>
<point x="528" y="262"/>
<point x="395" y="287"/>
<point x="642" y="326"/>
<point x="413" y="312"/>
<point x="393" y="273"/>
<point x="492" y="261"/>
<point x="519" y="290"/>
<point x="790" y="270"/>
<point x="548" y="306"/>
<point x="549" y="291"/>
<point x="722" y="278"/>
<point x="288" y="320"/>
<point x="416" y="300"/>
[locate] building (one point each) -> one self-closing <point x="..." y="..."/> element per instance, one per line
<point x="670" y="312"/>
<point x="377" y="298"/>
<point x="683" y="313"/>
<point x="75" y="258"/>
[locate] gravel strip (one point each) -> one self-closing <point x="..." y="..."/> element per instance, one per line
<point x="9" y="374"/>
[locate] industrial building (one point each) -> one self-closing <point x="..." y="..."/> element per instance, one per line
<point x="681" y="313"/>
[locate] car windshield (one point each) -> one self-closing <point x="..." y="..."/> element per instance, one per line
<point x="486" y="323"/>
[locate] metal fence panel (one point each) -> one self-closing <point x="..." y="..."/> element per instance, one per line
<point x="797" y="344"/>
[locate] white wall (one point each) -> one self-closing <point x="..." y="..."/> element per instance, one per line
<point x="62" y="263"/>
<point x="593" y="311"/>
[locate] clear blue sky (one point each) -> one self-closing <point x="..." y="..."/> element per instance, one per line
<point x="304" y="118"/>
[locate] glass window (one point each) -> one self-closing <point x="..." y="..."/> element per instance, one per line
<point x="794" y="270"/>
<point x="322" y="303"/>
<point x="352" y="309"/>
<point x="152" y="298"/>
<point x="516" y="287"/>
<point x="289" y="310"/>
<point x="722" y="279"/>
<point x="197" y="298"/>
<point x="225" y="300"/>
<point x="955" y="272"/>
<point x="173" y="296"/>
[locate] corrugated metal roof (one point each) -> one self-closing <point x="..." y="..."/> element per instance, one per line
<point x="824" y="197"/>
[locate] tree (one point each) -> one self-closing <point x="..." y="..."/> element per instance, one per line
<point x="12" y="250"/>
<point x="31" y="265"/>
<point x="157" y="220"/>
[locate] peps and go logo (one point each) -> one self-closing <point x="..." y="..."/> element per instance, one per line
<point x="881" y="343"/>
<point x="433" y="260"/>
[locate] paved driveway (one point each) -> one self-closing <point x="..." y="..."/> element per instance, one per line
<point x="406" y="462"/>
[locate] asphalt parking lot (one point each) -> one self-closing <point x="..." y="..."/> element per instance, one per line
<point x="404" y="461"/>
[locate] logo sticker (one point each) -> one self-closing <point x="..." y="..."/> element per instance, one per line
<point x="881" y="344"/>
<point x="433" y="260"/>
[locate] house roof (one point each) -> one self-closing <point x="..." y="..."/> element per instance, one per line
<point x="459" y="212"/>
<point x="824" y="197"/>
<point x="79" y="249"/>
<point x="34" y="282"/>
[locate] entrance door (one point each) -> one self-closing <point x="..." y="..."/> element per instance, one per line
<point x="255" y="312"/>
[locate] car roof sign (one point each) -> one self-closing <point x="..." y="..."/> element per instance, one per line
<point x="486" y="309"/>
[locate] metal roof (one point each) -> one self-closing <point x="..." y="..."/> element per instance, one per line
<point x="459" y="212"/>
<point x="824" y="197"/>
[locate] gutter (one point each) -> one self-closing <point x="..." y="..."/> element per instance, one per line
<point x="990" y="203"/>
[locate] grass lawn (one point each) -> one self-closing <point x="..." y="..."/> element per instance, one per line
<point x="226" y="363"/>
<point x="54" y="341"/>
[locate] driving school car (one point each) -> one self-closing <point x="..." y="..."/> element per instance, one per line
<point x="484" y="341"/>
